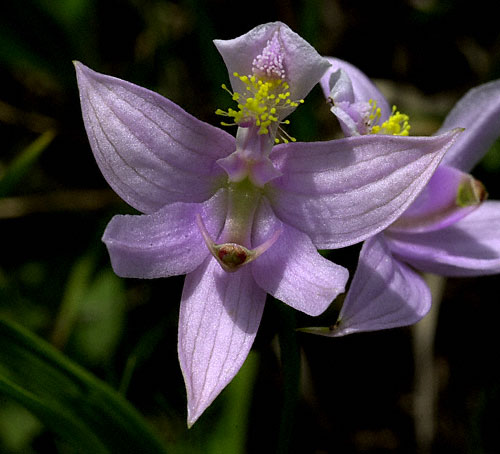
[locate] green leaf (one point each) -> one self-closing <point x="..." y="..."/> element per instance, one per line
<point x="72" y="302"/>
<point x="70" y="401"/>
<point x="224" y="426"/>
<point x="24" y="161"/>
<point x="18" y="427"/>
<point x="231" y="431"/>
<point x="101" y="319"/>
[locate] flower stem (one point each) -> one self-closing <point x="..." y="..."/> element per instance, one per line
<point x="425" y="381"/>
<point x="290" y="363"/>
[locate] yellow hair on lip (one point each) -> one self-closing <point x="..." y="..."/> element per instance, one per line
<point x="260" y="103"/>
<point x="398" y="124"/>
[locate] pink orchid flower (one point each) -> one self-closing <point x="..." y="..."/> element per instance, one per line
<point x="244" y="216"/>
<point x="449" y="229"/>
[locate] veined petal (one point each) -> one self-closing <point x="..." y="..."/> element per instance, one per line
<point x="219" y="317"/>
<point x="350" y="118"/>
<point x="361" y="87"/>
<point x="384" y="293"/>
<point x="149" y="150"/>
<point x="337" y="85"/>
<point x="303" y="65"/>
<point x="165" y="243"/>
<point x="342" y="191"/>
<point x="470" y="247"/>
<point x="478" y="111"/>
<point x="449" y="196"/>
<point x="292" y="270"/>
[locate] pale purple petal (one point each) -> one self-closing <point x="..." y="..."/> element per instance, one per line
<point x="337" y="85"/>
<point x="149" y="150"/>
<point x="362" y="88"/>
<point x="350" y="118"/>
<point x="341" y="192"/>
<point x="219" y="317"/>
<point x="165" y="243"/>
<point x="479" y="113"/>
<point x="437" y="206"/>
<point x="470" y="247"/>
<point x="353" y="117"/>
<point x="292" y="270"/>
<point x="303" y="65"/>
<point x="384" y="293"/>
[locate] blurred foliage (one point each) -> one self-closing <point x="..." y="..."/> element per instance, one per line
<point x="76" y="406"/>
<point x="55" y="276"/>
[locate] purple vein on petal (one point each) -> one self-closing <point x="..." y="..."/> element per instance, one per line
<point x="103" y="160"/>
<point x="155" y="156"/>
<point x="166" y="132"/>
<point x="229" y="344"/>
<point x="365" y="284"/>
<point x="356" y="215"/>
<point x="120" y="155"/>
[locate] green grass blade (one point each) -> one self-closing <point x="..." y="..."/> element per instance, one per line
<point x="67" y="399"/>
<point x="24" y="161"/>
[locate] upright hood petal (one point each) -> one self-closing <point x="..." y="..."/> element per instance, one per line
<point x="302" y="64"/>
<point x="349" y="84"/>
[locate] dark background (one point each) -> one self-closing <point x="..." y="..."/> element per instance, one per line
<point x="356" y="392"/>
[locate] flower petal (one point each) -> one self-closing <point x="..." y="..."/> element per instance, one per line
<point x="292" y="270"/>
<point x="361" y="87"/>
<point x="219" y="317"/>
<point x="337" y="86"/>
<point x="351" y="118"/>
<point x="384" y="293"/>
<point x="165" y="243"/>
<point x="303" y="65"/>
<point x="470" y="247"/>
<point x="479" y="113"/>
<point x="343" y="191"/>
<point x="149" y="150"/>
<point x="449" y="196"/>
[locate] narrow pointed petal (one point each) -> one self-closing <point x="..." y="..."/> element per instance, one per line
<point x="292" y="270"/>
<point x="165" y="243"/>
<point x="479" y="113"/>
<point x="384" y="293"/>
<point x="470" y="247"/>
<point x="149" y="150"/>
<point x="361" y="87"/>
<point x="341" y="192"/>
<point x="219" y="317"/>
<point x="303" y="65"/>
<point x="449" y="196"/>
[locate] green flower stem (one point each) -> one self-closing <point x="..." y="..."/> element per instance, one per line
<point x="425" y="380"/>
